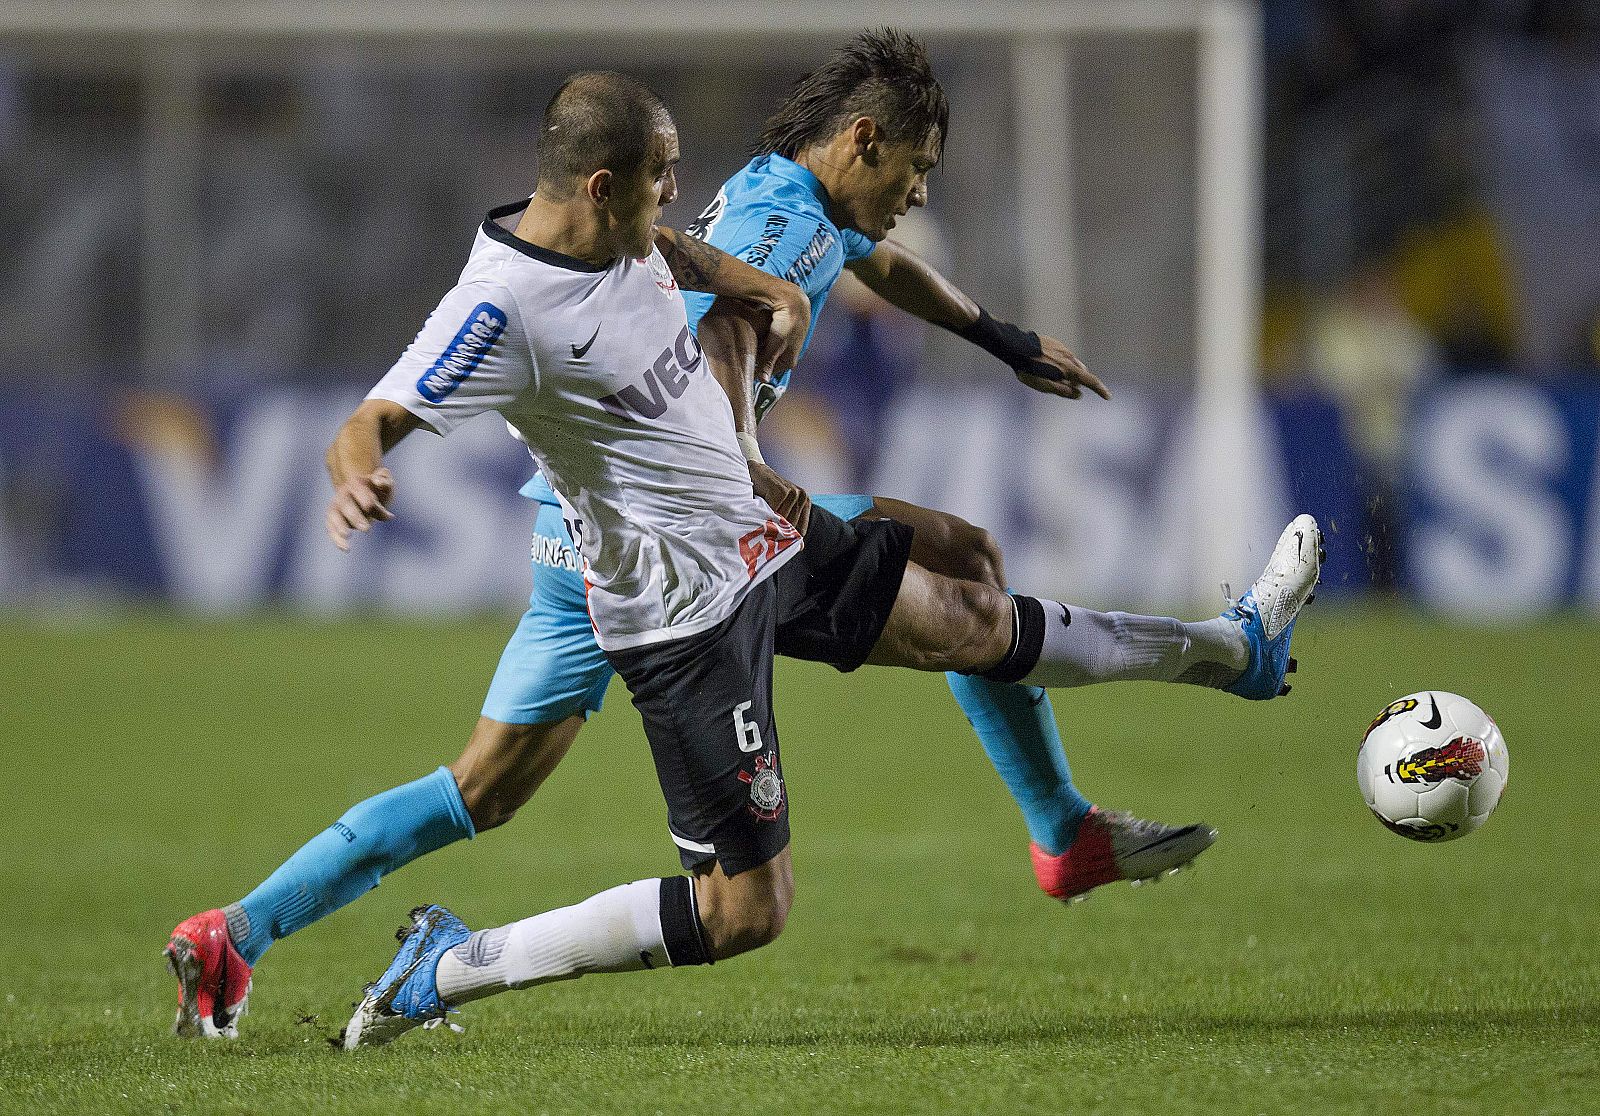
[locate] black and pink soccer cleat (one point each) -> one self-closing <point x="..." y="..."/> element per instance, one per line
<point x="213" y="980"/>
<point x="1113" y="846"/>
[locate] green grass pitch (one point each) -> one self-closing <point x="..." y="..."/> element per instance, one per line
<point x="1312" y="963"/>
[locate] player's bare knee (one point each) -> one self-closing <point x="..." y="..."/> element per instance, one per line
<point x="947" y="544"/>
<point x="944" y="623"/>
<point x="503" y="765"/>
<point x="492" y="784"/>
<point x="491" y="792"/>
<point x="488" y="804"/>
<point x="750" y="925"/>
<point x="970" y="553"/>
<point x="985" y="563"/>
<point x="780" y="900"/>
<point x="746" y="911"/>
<point x="981" y="620"/>
<point x="760" y="922"/>
<point x="975" y="625"/>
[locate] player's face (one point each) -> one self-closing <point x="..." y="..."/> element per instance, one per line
<point x="897" y="181"/>
<point x="639" y="207"/>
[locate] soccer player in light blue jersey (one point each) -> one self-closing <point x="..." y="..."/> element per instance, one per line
<point x="849" y="152"/>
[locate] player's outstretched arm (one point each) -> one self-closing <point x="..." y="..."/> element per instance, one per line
<point x="697" y="266"/>
<point x="362" y="484"/>
<point x="729" y="335"/>
<point x="906" y="280"/>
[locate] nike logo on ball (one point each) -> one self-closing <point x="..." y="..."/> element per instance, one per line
<point x="1434" y="721"/>
<point x="578" y="351"/>
<point x="1066" y="617"/>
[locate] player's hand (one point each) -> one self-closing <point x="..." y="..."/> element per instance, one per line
<point x="1058" y="372"/>
<point x="358" y="503"/>
<point x="786" y="333"/>
<point x="788" y="500"/>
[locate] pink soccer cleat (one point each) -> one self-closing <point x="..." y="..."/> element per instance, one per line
<point x="1112" y="846"/>
<point x="213" y="980"/>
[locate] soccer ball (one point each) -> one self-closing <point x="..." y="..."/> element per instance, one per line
<point x="1432" y="766"/>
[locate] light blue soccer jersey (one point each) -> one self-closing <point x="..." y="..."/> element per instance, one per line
<point x="773" y="214"/>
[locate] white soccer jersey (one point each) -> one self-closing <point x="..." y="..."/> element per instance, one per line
<point x="596" y="369"/>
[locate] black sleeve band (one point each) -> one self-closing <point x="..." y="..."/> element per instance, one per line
<point x="680" y="923"/>
<point x="1026" y="643"/>
<point x="1018" y="347"/>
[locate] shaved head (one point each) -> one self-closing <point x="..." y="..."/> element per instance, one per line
<point x="598" y="120"/>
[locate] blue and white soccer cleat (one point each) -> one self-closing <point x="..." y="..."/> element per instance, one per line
<point x="1268" y="609"/>
<point x="407" y="994"/>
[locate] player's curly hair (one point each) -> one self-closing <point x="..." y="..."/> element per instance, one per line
<point x="883" y="74"/>
<point x="598" y="119"/>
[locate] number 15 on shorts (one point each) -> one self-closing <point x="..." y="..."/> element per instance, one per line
<point x="749" y="732"/>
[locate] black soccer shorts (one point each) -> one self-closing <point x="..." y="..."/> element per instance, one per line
<point x="706" y="699"/>
<point x="833" y="608"/>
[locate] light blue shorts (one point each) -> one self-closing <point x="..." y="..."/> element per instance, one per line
<point x="552" y="667"/>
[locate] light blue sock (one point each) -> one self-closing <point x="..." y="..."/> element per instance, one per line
<point x="1018" y="730"/>
<point x="347" y="860"/>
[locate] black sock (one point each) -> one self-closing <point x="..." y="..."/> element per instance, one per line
<point x="681" y="931"/>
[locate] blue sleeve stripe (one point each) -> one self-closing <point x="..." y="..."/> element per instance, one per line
<point x="465" y="352"/>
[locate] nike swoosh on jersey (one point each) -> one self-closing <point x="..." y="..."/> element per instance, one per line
<point x="1434" y="721"/>
<point x="579" y="351"/>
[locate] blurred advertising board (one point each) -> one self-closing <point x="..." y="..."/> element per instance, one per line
<point x="217" y="503"/>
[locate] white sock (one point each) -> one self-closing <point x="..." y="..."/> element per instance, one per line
<point x="1082" y="647"/>
<point x="616" y="931"/>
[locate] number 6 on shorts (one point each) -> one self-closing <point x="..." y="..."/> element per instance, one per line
<point x="749" y="732"/>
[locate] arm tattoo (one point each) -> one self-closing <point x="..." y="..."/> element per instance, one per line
<point x="694" y="263"/>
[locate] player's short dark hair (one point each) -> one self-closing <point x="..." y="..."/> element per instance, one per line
<point x="883" y="74"/>
<point x="597" y="120"/>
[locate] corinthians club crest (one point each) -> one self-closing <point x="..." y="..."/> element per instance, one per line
<point x="766" y="787"/>
<point x="661" y="273"/>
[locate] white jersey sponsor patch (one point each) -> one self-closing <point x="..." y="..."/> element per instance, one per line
<point x="597" y="371"/>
